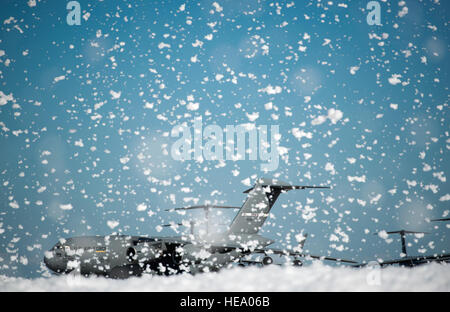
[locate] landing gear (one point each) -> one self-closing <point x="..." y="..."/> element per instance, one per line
<point x="267" y="260"/>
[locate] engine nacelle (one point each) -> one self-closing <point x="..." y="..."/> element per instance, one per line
<point x="131" y="254"/>
<point x="143" y="253"/>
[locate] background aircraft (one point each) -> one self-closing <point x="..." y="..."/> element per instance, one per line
<point x="411" y="261"/>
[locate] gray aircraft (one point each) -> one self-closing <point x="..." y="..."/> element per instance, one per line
<point x="407" y="260"/>
<point x="121" y="256"/>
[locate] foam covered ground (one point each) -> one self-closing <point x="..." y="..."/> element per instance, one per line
<point x="316" y="277"/>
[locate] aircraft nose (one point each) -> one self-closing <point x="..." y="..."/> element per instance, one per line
<point x="55" y="262"/>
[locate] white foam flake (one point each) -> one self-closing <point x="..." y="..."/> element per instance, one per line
<point x="394" y="106"/>
<point x="124" y="160"/>
<point x="217" y="7"/>
<point x="59" y="78"/>
<point x="360" y="179"/>
<point x="300" y="133"/>
<point x="86" y="16"/>
<point x="142" y="207"/>
<point x="383" y="234"/>
<point x="271" y="90"/>
<point x="112" y="224"/>
<point x="330" y="168"/>
<point x="14" y="205"/>
<point x="354" y="69"/>
<point x="4" y="99"/>
<point x="66" y="206"/>
<point x="395" y="79"/>
<point x="334" y="115"/>
<point x="115" y="95"/>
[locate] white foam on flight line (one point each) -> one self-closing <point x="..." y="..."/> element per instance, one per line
<point x="315" y="277"/>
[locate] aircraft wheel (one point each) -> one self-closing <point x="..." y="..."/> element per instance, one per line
<point x="297" y="263"/>
<point x="267" y="260"/>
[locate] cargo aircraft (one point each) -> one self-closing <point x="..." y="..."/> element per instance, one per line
<point x="407" y="260"/>
<point x="122" y="256"/>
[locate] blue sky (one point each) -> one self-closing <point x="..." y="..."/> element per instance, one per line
<point x="87" y="112"/>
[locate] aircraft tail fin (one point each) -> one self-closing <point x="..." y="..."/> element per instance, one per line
<point x="301" y="243"/>
<point x="261" y="198"/>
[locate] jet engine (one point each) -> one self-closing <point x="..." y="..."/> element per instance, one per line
<point x="143" y="252"/>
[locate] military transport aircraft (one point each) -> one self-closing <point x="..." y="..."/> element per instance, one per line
<point x="407" y="260"/>
<point x="121" y="256"/>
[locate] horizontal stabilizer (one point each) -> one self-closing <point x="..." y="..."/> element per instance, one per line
<point x="260" y="199"/>
<point x="283" y="186"/>
<point x="206" y="207"/>
<point x="443" y="219"/>
<point x="402" y="232"/>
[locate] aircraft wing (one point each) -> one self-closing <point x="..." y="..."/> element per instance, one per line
<point x="413" y="261"/>
<point x="177" y="240"/>
<point x="417" y="260"/>
<point x="284" y="252"/>
<point x="251" y="262"/>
